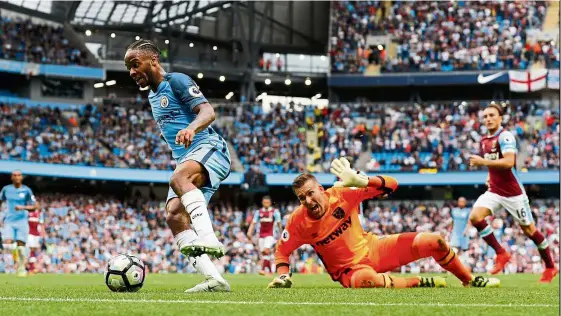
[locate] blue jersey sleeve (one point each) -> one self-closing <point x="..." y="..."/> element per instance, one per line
<point x="30" y="197"/>
<point x="186" y="90"/>
<point x="256" y="217"/>
<point x="507" y="143"/>
<point x="3" y="194"/>
<point x="277" y="216"/>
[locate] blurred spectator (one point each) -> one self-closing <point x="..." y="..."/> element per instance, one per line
<point x="274" y="141"/>
<point x="400" y="137"/>
<point x="23" y="40"/>
<point x="441" y="35"/>
<point x="83" y="232"/>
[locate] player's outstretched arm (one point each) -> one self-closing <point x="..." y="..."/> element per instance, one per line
<point x="383" y="185"/>
<point x="287" y="244"/>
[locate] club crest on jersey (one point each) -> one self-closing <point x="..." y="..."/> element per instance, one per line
<point x="494" y="145"/>
<point x="285" y="235"/>
<point x="164" y="102"/>
<point x="195" y="92"/>
<point x="338" y="213"/>
<point x="21" y="195"/>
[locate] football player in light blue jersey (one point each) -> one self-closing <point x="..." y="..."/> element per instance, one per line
<point x="18" y="200"/>
<point x="460" y="216"/>
<point x="184" y="116"/>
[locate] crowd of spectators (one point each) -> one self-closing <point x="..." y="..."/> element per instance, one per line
<point x="442" y="136"/>
<point x="273" y="141"/>
<point x="440" y="35"/>
<point x="81" y="233"/>
<point x="401" y="137"/>
<point x="44" y="134"/>
<point x="23" y="40"/>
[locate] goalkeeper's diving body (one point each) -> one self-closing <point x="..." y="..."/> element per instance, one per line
<point x="328" y="221"/>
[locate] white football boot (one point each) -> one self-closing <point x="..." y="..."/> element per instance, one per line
<point x="210" y="285"/>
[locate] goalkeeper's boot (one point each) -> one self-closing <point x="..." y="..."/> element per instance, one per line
<point x="435" y="281"/>
<point x="210" y="285"/>
<point x="548" y="275"/>
<point x="480" y="281"/>
<point x="210" y="246"/>
<point x="500" y="262"/>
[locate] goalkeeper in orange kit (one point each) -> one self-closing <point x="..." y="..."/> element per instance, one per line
<point x="328" y="221"/>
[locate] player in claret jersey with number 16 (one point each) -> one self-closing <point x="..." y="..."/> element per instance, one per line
<point x="498" y="149"/>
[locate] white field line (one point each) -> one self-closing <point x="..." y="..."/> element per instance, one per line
<point x="370" y="304"/>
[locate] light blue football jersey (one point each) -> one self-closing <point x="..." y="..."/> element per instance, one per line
<point x="460" y="216"/>
<point x="16" y="196"/>
<point x="172" y="108"/>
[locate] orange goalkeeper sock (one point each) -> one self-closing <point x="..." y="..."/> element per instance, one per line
<point x="433" y="245"/>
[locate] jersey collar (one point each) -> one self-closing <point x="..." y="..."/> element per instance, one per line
<point x="497" y="132"/>
<point x="162" y="84"/>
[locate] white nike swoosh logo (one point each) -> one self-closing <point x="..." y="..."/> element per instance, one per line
<point x="484" y="79"/>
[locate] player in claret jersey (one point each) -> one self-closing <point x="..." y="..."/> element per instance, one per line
<point x="328" y="220"/>
<point x="34" y="239"/>
<point x="505" y="190"/>
<point x="266" y="217"/>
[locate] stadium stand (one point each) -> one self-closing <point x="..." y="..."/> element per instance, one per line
<point x="23" y="40"/>
<point x="83" y="232"/>
<point x="440" y="36"/>
<point x="44" y="134"/>
<point x="401" y="137"/>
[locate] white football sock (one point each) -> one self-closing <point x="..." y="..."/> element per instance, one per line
<point x="22" y="253"/>
<point x="206" y="267"/>
<point x="195" y="204"/>
<point x="185" y="238"/>
<point x="202" y="264"/>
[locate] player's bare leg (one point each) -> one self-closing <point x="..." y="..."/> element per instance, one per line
<point x="477" y="219"/>
<point x="179" y="222"/>
<point x="186" y="180"/>
<point x="543" y="247"/>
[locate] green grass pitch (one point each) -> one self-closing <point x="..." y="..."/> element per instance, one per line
<point x="311" y="295"/>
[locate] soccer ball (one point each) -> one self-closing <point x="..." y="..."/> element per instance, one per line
<point x="125" y="273"/>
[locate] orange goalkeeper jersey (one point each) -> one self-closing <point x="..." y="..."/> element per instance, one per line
<point x="337" y="238"/>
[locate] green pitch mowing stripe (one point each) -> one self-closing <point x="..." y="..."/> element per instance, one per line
<point x="121" y="301"/>
<point x="162" y="294"/>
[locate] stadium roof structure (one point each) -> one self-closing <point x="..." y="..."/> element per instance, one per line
<point x="178" y="18"/>
<point x="100" y="13"/>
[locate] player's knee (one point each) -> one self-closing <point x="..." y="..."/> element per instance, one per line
<point x="367" y="278"/>
<point x="180" y="181"/>
<point x="528" y="230"/>
<point x="432" y="242"/>
<point x="478" y="214"/>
